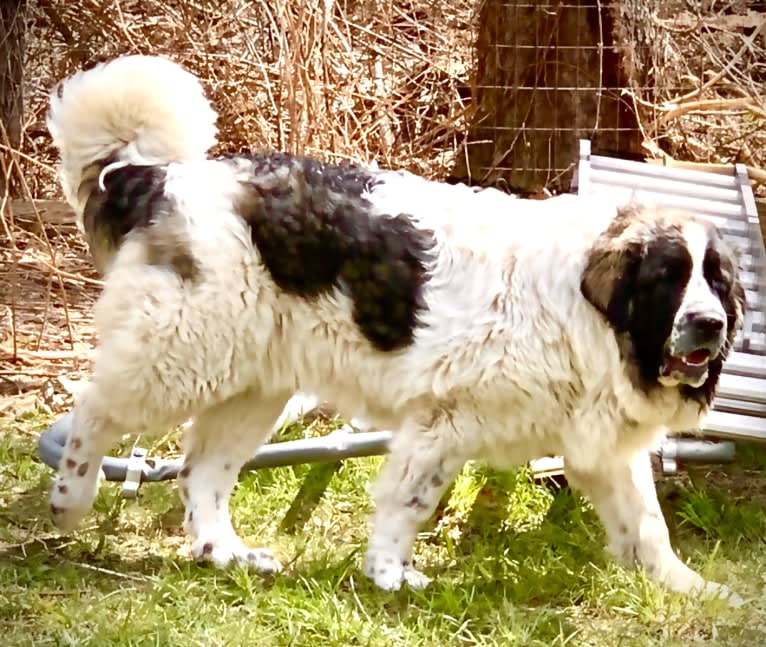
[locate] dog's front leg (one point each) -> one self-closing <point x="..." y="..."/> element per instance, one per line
<point x="416" y="474"/>
<point x="625" y="498"/>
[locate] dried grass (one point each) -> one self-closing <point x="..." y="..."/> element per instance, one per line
<point x="359" y="80"/>
<point x="356" y="80"/>
<point x="698" y="72"/>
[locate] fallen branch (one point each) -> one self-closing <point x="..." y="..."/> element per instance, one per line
<point x="56" y="212"/>
<point x="22" y="353"/>
<point x="708" y="105"/>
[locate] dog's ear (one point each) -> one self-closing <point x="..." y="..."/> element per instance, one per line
<point x="609" y="277"/>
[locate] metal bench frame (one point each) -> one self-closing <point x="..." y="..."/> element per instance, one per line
<point x="739" y="410"/>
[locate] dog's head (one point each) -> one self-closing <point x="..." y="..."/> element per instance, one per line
<point x="667" y="283"/>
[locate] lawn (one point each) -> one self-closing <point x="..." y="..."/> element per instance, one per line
<point x="514" y="562"/>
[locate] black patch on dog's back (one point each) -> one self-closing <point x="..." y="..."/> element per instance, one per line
<point x="132" y="198"/>
<point x="315" y="232"/>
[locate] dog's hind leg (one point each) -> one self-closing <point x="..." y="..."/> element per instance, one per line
<point x="94" y="430"/>
<point x="221" y="439"/>
<point x="420" y="467"/>
<point x="625" y="498"/>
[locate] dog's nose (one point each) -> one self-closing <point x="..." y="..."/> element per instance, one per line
<point x="706" y="326"/>
<point x="698" y="330"/>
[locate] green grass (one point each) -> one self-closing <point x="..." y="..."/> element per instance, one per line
<point x="514" y="563"/>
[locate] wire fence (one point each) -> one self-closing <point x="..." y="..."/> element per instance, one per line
<point x="675" y="80"/>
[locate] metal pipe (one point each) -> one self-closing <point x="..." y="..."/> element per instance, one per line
<point x="697" y="450"/>
<point x="694" y="450"/>
<point x="336" y="446"/>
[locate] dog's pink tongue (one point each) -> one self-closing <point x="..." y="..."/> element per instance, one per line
<point x="697" y="357"/>
<point x="694" y="364"/>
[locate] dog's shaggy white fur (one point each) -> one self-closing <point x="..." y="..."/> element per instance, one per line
<point x="530" y="327"/>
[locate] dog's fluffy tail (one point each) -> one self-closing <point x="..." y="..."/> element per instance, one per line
<point x="135" y="109"/>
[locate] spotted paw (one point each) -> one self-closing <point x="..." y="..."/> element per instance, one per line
<point x="735" y="600"/>
<point x="390" y="573"/>
<point x="71" y="499"/>
<point x="222" y="553"/>
<point x="416" y="579"/>
<point x="67" y="519"/>
<point x="262" y="560"/>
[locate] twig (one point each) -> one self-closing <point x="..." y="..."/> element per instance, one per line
<point x="712" y="105"/>
<point x="97" y="569"/>
<point x="107" y="571"/>
<point x="61" y="26"/>
<point x="77" y="278"/>
<point x="47" y="354"/>
<point x="4" y="201"/>
<point x="22" y="373"/>
<point x="749" y="41"/>
<point x="756" y="175"/>
<point x="28" y="158"/>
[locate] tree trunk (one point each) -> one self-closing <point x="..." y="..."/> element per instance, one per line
<point x="545" y="76"/>
<point x="12" y="14"/>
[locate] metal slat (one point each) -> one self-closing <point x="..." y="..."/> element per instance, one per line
<point x="740" y="387"/>
<point x="735" y="426"/>
<point x="736" y="221"/>
<point x="746" y="364"/>
<point x="725" y="195"/>
<point x="654" y="170"/>
<point x="740" y="406"/>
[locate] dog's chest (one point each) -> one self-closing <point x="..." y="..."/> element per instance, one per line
<point x="584" y="430"/>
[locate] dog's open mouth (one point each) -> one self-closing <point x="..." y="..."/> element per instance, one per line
<point x="689" y="367"/>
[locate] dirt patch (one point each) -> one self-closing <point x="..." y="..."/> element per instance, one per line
<point x="46" y="319"/>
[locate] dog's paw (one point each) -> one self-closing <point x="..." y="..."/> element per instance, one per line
<point x="692" y="584"/>
<point x="262" y="560"/>
<point x="223" y="553"/>
<point x="695" y="586"/>
<point x="415" y="579"/>
<point x="71" y="499"/>
<point x="390" y="573"/>
<point x="67" y="519"/>
<point x="736" y="601"/>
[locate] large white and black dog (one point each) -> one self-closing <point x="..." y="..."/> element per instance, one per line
<point x="476" y="325"/>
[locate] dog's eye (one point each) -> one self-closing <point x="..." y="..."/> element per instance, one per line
<point x="670" y="272"/>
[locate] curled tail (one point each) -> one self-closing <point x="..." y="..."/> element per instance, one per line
<point x="134" y="109"/>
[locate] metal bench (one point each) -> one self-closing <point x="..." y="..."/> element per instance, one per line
<point x="739" y="409"/>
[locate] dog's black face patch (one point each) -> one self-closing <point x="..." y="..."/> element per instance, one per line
<point x="657" y="290"/>
<point x="315" y="232"/>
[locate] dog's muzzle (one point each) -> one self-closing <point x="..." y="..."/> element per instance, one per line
<point x="696" y="339"/>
